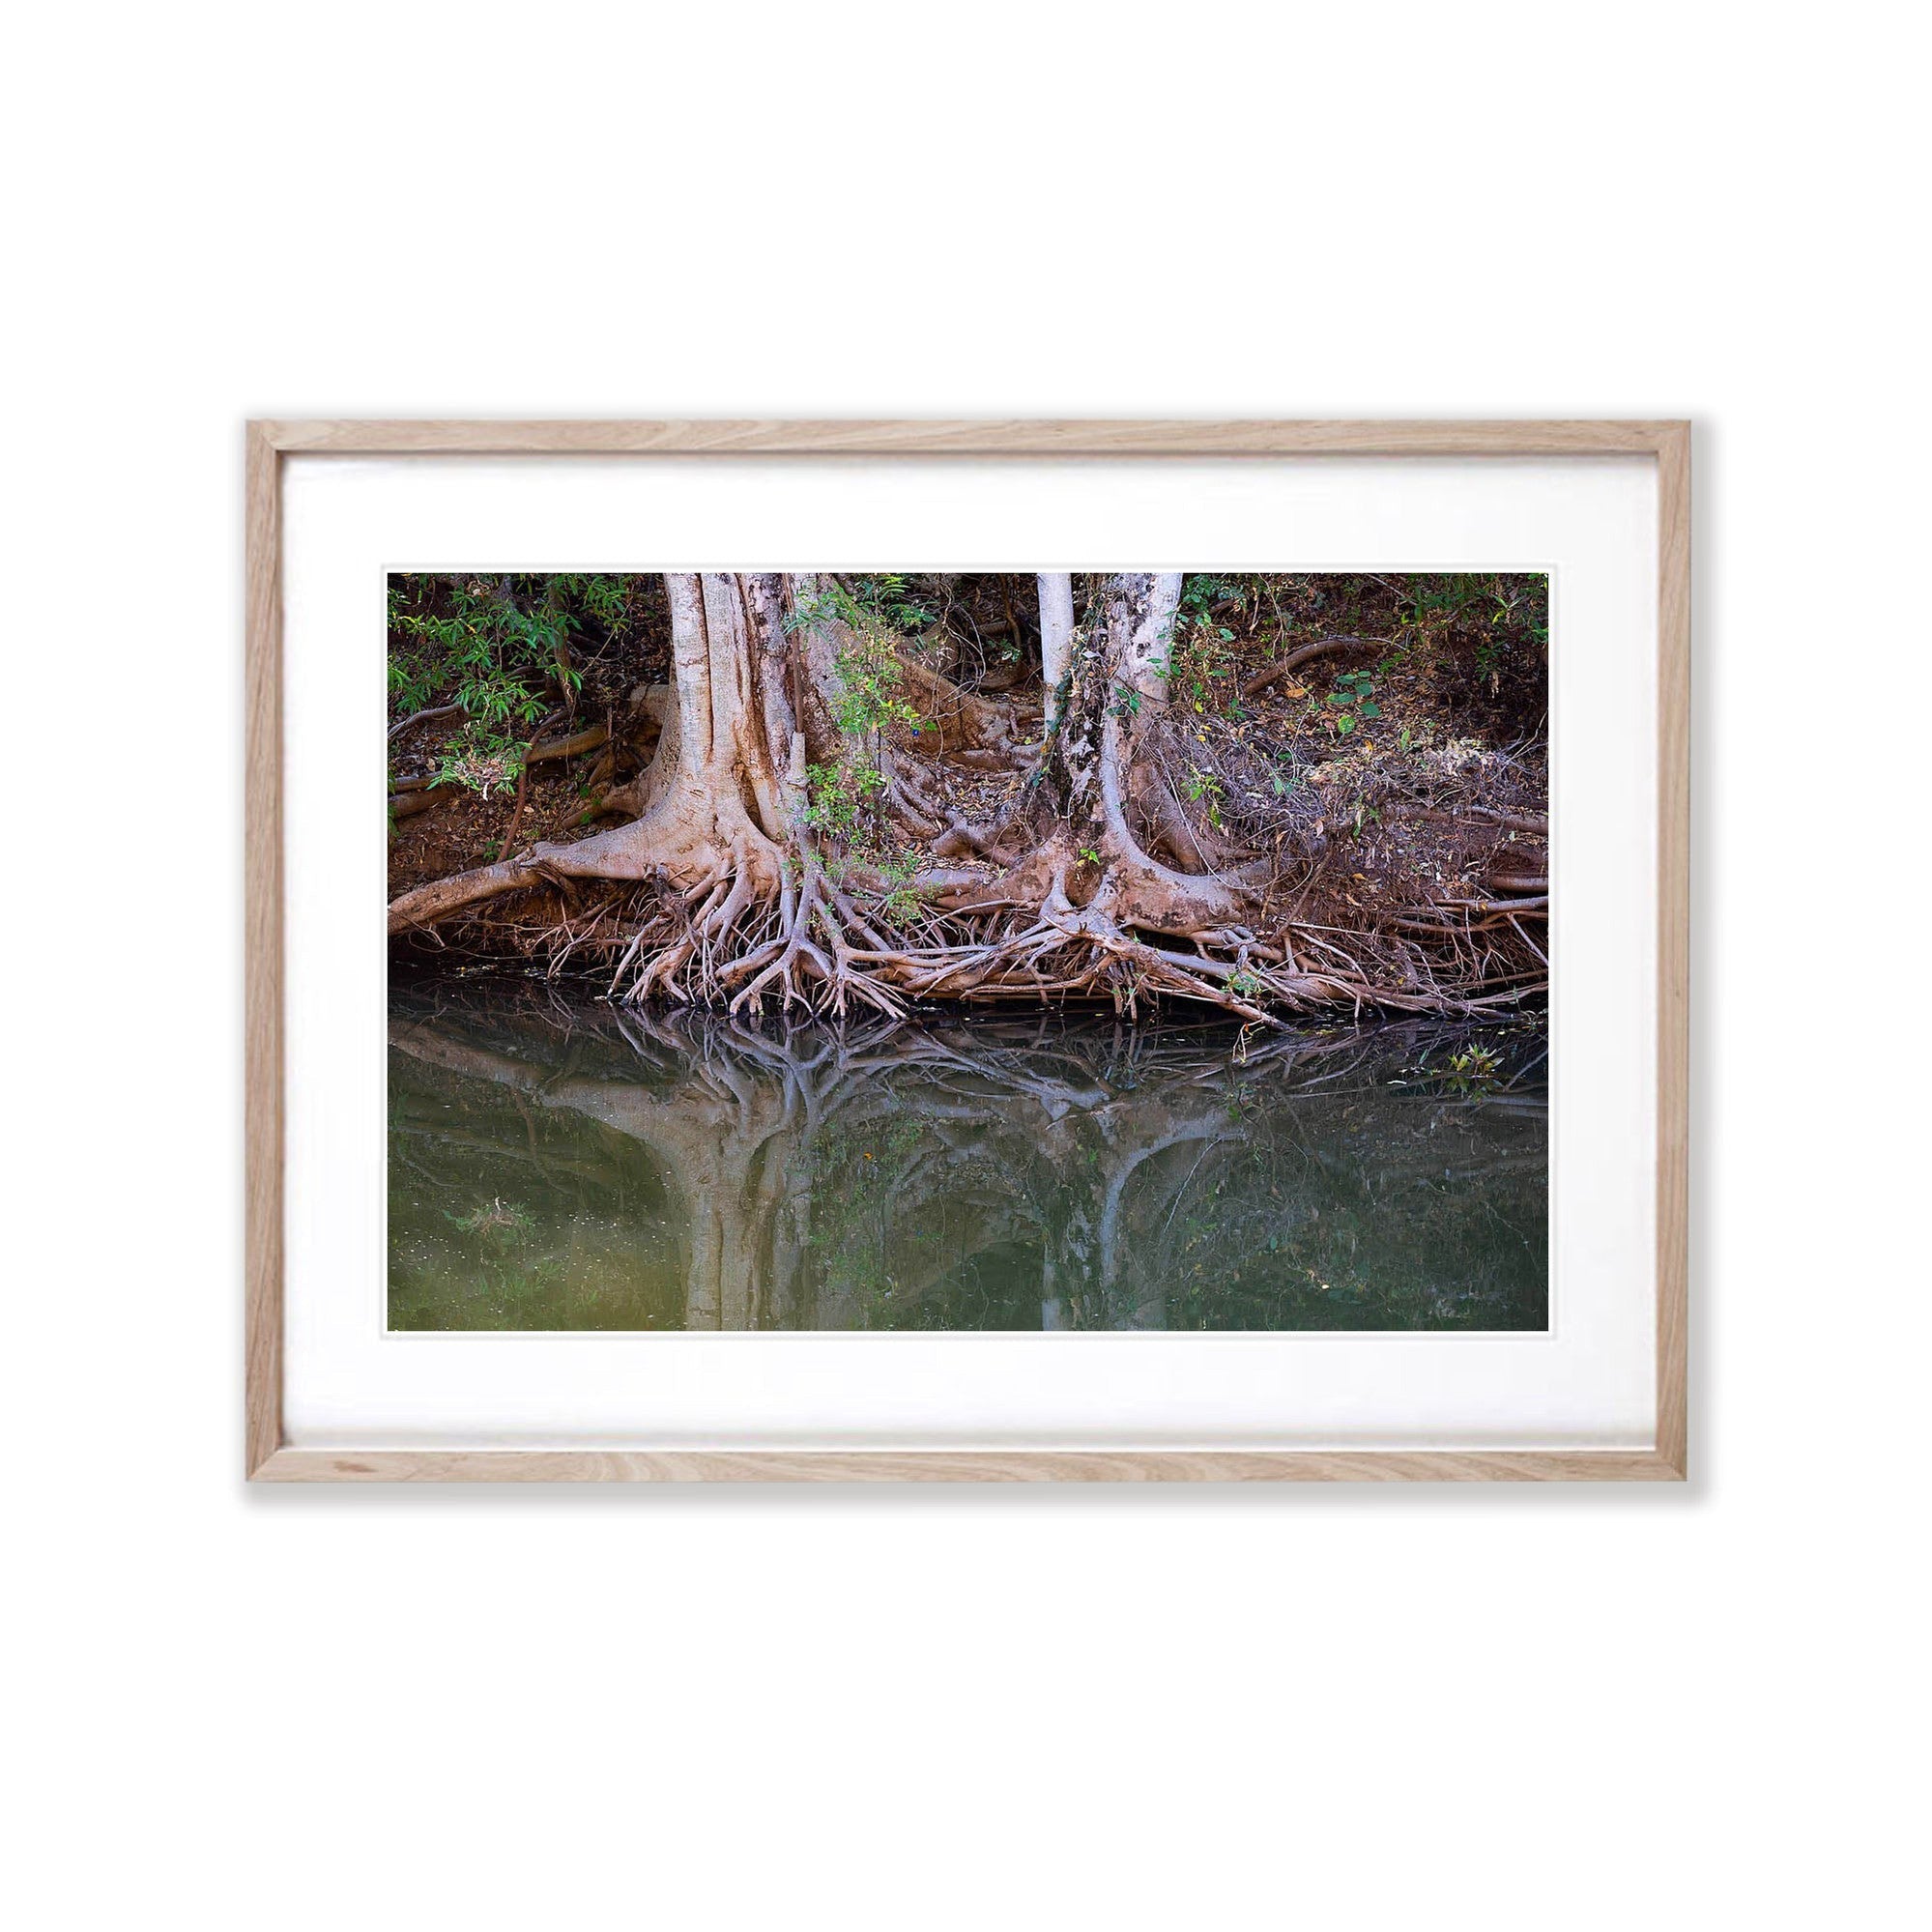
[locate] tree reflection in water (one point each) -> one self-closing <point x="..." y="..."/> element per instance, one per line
<point x="564" y="1165"/>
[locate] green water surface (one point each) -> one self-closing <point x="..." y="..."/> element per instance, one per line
<point x="558" y="1164"/>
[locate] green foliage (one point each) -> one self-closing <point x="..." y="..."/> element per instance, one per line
<point x="875" y="614"/>
<point x="1499" y="619"/>
<point x="482" y="757"/>
<point x="485" y="644"/>
<point x="1202" y="593"/>
<point x="1474" y="1067"/>
<point x="841" y="800"/>
<point x="866" y="700"/>
<point x="1201" y="782"/>
<point x="1199" y="651"/>
<point x="878" y="605"/>
<point x="1352" y="700"/>
<point x="842" y="806"/>
<point x="887" y="881"/>
<point x="898" y="899"/>
<point x="1429" y="601"/>
<point x="497" y="649"/>
<point x="1471" y="1069"/>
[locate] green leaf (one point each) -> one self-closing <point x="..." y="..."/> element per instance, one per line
<point x="1371" y="710"/>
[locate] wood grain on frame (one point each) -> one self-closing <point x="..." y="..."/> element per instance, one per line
<point x="964" y="1465"/>
<point x="1673" y="945"/>
<point x="939" y="438"/>
<point x="269" y="1459"/>
<point x="263" y="1053"/>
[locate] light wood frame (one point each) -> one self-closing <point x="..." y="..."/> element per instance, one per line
<point x="269" y="1458"/>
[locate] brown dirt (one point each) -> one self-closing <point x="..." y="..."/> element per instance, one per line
<point x="466" y="830"/>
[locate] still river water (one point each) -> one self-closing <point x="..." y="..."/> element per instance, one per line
<point x="563" y="1165"/>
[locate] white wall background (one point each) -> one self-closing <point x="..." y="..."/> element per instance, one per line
<point x="1334" y="1709"/>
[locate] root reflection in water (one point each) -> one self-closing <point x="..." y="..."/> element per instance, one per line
<point x="556" y="1165"/>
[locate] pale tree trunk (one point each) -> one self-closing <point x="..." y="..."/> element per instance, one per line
<point x="721" y="789"/>
<point x="718" y="794"/>
<point x="1118" y="682"/>
<point x="734" y="905"/>
<point x="1057" y="637"/>
<point x="1096" y="893"/>
<point x="1140" y="612"/>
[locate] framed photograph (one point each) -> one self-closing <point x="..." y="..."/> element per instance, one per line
<point x="968" y="951"/>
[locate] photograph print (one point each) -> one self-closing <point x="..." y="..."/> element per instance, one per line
<point x="1075" y="951"/>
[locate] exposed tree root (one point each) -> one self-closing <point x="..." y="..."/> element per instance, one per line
<point x="713" y="891"/>
<point x="423" y="717"/>
<point x="756" y="932"/>
<point x="1326" y="646"/>
<point x="407" y="804"/>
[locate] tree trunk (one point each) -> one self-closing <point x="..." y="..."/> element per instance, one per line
<point x="716" y="796"/>
<point x="1117" y="683"/>
<point x="1057" y="637"/>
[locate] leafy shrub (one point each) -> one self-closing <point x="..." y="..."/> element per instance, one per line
<point x="1353" y="700"/>
<point x="840" y="798"/>
<point x="501" y="650"/>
